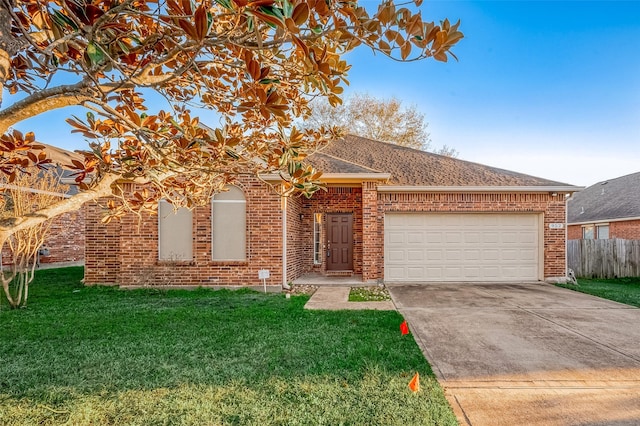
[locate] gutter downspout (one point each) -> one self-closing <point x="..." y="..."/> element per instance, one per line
<point x="284" y="241"/>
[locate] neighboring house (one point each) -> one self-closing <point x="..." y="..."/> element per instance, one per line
<point x="65" y="243"/>
<point x="389" y="214"/>
<point x="608" y="209"/>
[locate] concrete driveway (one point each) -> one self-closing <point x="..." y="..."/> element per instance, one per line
<point x="528" y="354"/>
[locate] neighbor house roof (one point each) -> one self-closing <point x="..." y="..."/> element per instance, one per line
<point x="409" y="166"/>
<point x="612" y="199"/>
<point x="59" y="157"/>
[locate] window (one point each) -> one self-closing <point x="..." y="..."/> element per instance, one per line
<point x="175" y="232"/>
<point x="229" y="225"/>
<point x="588" y="232"/>
<point x="317" y="235"/>
<point x="603" y="232"/>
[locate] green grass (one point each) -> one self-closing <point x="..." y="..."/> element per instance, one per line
<point x="102" y="356"/>
<point x="623" y="290"/>
<point x="368" y="294"/>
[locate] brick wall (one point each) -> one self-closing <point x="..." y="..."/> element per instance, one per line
<point x="574" y="232"/>
<point x="136" y="250"/>
<point x="625" y="230"/>
<point x="552" y="207"/>
<point x="65" y="241"/>
<point x="66" y="238"/>
<point x="102" y="246"/>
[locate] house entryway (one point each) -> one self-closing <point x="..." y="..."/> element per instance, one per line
<point x="339" y="244"/>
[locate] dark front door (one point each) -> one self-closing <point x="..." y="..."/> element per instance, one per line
<point x="340" y="242"/>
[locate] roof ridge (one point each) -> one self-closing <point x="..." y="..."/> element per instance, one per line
<point x="349" y="162"/>
<point x="615" y="178"/>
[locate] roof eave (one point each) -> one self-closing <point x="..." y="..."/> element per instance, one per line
<point x="567" y="189"/>
<point x="595" y="221"/>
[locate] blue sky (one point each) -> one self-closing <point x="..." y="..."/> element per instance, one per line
<point x="547" y="88"/>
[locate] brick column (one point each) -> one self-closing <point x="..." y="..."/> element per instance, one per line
<point x="372" y="241"/>
<point x="102" y="247"/>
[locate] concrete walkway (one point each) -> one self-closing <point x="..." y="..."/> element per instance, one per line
<point x="337" y="298"/>
<point x="528" y="354"/>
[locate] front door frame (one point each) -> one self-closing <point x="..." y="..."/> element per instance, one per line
<point x="336" y="246"/>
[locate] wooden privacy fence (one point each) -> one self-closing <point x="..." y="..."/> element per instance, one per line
<point x="604" y="258"/>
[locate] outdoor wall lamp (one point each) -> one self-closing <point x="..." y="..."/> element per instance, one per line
<point x="301" y="216"/>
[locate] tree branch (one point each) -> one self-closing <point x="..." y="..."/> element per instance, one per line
<point x="13" y="225"/>
<point x="42" y="101"/>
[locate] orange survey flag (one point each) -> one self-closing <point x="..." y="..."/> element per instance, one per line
<point x="404" y="328"/>
<point x="414" y="384"/>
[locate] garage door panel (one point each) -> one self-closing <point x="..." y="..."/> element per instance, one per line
<point x="434" y="237"/>
<point x="453" y="255"/>
<point x="395" y="237"/>
<point x="507" y="255"/>
<point x="490" y="237"/>
<point x="415" y="272"/>
<point x="394" y="221"/>
<point x="415" y="238"/>
<point x="394" y="273"/>
<point x="473" y="272"/>
<point x="490" y="255"/>
<point x="528" y="237"/>
<point x="472" y="255"/>
<point x="435" y="272"/>
<point x="491" y="272"/>
<point x="425" y="247"/>
<point x="396" y="256"/>
<point x="434" y="255"/>
<point x="453" y="237"/>
<point x="453" y="273"/>
<point x="473" y="237"/>
<point x="415" y="255"/>
<point x="413" y="221"/>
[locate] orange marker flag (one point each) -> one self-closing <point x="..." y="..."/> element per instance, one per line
<point x="404" y="328"/>
<point x="414" y="384"/>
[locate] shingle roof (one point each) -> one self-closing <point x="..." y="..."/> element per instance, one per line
<point x="613" y="199"/>
<point x="331" y="164"/>
<point x="61" y="156"/>
<point x="409" y="166"/>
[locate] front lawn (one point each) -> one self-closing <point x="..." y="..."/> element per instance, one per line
<point x="623" y="290"/>
<point x="97" y="355"/>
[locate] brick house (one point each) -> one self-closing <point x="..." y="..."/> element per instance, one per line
<point x="65" y="242"/>
<point x="608" y="209"/>
<point x="389" y="214"/>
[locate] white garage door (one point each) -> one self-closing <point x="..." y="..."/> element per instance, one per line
<point x="427" y="247"/>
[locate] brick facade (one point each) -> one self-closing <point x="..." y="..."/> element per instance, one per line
<point x="624" y="229"/>
<point x="126" y="252"/>
<point x="65" y="241"/>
